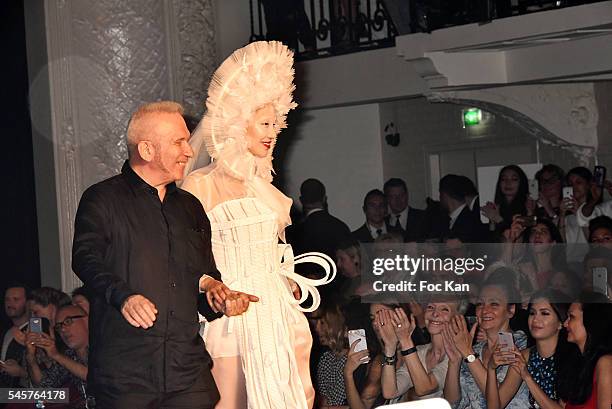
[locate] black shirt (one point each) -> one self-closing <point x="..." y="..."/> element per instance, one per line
<point x="127" y="242"/>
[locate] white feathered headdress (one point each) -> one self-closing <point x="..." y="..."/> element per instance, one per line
<point x="253" y="76"/>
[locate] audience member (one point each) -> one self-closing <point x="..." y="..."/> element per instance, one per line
<point x="466" y="379"/>
<point x="319" y="231"/>
<point x="471" y="194"/>
<point x="364" y="392"/>
<point x="586" y="383"/>
<point x="550" y="182"/>
<point x="422" y="369"/>
<point x="15" y="308"/>
<point x="45" y="301"/>
<point x="69" y="368"/>
<point x="579" y="179"/>
<point x="536" y="367"/>
<point x="463" y="223"/>
<point x="511" y="197"/>
<point x="80" y="298"/>
<point x="410" y="221"/>
<point x="375" y="210"/>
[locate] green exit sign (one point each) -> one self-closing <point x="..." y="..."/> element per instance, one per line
<point x="471" y="117"/>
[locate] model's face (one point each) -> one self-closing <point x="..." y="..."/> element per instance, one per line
<point x="375" y="209"/>
<point x="576" y="333"/>
<point x="437" y="314"/>
<point x="580" y="187"/>
<point x="492" y="309"/>
<point x="543" y="322"/>
<point x="550" y="185"/>
<point x="509" y="183"/>
<point x="172" y="149"/>
<point x="15" y="304"/>
<point x="262" y="131"/>
<point x="397" y="198"/>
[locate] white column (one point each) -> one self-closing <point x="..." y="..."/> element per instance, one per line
<point x="104" y="59"/>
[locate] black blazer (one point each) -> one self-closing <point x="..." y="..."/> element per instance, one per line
<point x="417" y="225"/>
<point x="363" y="234"/>
<point x="320" y="231"/>
<point x="468" y="227"/>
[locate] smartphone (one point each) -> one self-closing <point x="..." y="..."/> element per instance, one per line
<point x="35" y="325"/>
<point x="600" y="280"/>
<point x="357" y="334"/>
<point x="599" y="175"/>
<point x="506" y="341"/>
<point x="534" y="189"/>
<point x="568" y="192"/>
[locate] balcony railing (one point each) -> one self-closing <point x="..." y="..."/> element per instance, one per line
<point x="320" y="28"/>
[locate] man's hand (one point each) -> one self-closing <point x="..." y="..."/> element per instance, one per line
<point x="139" y="311"/>
<point x="216" y="293"/>
<point x="237" y="303"/>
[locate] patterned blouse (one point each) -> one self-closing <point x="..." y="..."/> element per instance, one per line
<point x="544" y="373"/>
<point x="472" y="398"/>
<point x="330" y="378"/>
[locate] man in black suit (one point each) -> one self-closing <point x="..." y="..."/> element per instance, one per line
<point x="319" y="230"/>
<point x="15" y="307"/>
<point x="462" y="221"/>
<point x="410" y="221"/>
<point x="375" y="210"/>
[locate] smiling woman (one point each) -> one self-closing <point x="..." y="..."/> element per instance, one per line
<point x="260" y="358"/>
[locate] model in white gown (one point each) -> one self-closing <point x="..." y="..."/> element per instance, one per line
<point x="261" y="358"/>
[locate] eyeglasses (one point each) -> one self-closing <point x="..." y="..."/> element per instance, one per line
<point x="68" y="321"/>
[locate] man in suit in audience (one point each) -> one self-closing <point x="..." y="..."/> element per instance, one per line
<point x="463" y="222"/>
<point x="471" y="195"/>
<point x="319" y="230"/>
<point x="15" y="308"/>
<point x="410" y="221"/>
<point x="375" y="210"/>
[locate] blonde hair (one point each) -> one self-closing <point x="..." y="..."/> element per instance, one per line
<point x="139" y="124"/>
<point x="333" y="333"/>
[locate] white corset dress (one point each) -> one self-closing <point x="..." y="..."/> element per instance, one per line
<point x="272" y="338"/>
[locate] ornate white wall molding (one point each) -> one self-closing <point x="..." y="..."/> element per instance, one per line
<point x="105" y="58"/>
<point x="564" y="115"/>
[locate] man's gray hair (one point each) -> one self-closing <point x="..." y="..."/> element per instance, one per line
<point x="138" y="122"/>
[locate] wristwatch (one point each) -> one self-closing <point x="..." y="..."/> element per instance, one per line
<point x="389" y="360"/>
<point x="470" y="358"/>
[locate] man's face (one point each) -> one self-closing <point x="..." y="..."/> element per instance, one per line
<point x="15" y="302"/>
<point x="375" y="209"/>
<point x="397" y="198"/>
<point x="172" y="149"/>
<point x="74" y="327"/>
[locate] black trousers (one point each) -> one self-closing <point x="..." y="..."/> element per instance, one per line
<point x="203" y="394"/>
